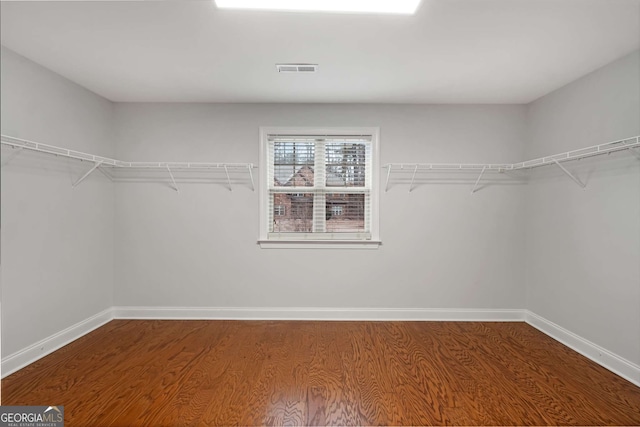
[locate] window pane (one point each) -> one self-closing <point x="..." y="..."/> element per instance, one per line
<point x="293" y="164"/>
<point x="293" y="213"/>
<point x="345" y="213"/>
<point x="346" y="164"/>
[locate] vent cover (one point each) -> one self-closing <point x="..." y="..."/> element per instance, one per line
<point x="297" y="68"/>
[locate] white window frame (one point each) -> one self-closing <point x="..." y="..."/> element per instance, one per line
<point x="333" y="240"/>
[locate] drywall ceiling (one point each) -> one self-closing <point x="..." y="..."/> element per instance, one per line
<point x="451" y="51"/>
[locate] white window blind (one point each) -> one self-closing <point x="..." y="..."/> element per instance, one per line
<point x="319" y="187"/>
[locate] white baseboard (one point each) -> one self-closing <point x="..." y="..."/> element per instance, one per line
<point x="314" y="313"/>
<point x="30" y="354"/>
<point x="603" y="357"/>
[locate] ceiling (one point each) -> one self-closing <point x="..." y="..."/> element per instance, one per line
<point x="450" y="51"/>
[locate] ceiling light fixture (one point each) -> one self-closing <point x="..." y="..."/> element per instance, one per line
<point x="406" y="7"/>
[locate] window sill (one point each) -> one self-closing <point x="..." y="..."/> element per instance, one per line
<point x="319" y="244"/>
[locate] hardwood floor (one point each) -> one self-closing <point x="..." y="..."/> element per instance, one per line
<point x="205" y="373"/>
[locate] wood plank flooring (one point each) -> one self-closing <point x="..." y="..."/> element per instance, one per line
<point x="221" y="373"/>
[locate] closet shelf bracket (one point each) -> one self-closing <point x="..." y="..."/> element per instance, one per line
<point x="89" y="172"/>
<point x="569" y="174"/>
<point x="226" y="171"/>
<point x="386" y="187"/>
<point x="175" y="186"/>
<point x="253" y="185"/>
<point x="475" y="187"/>
<point x="413" y="177"/>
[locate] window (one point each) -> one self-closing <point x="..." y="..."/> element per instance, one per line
<point x="319" y="187"/>
<point x="336" y="210"/>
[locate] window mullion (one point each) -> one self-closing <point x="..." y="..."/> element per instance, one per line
<point x="269" y="184"/>
<point x="319" y="180"/>
<point x="368" y="185"/>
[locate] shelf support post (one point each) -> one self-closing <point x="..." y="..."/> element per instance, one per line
<point x="175" y="186"/>
<point x="11" y="156"/>
<point x="475" y="187"/>
<point x="576" y="180"/>
<point x="226" y="170"/>
<point x="386" y="187"/>
<point x="253" y="187"/>
<point x="89" y="172"/>
<point x="413" y="178"/>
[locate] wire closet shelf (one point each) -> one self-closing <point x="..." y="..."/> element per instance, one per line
<point x="632" y="143"/>
<point x="110" y="167"/>
<point x="108" y="164"/>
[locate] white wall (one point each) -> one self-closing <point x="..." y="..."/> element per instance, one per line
<point x="57" y="242"/>
<point x="583" y="246"/>
<point x="442" y="247"/>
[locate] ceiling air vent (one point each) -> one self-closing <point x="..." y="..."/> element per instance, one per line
<point x="297" y="68"/>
